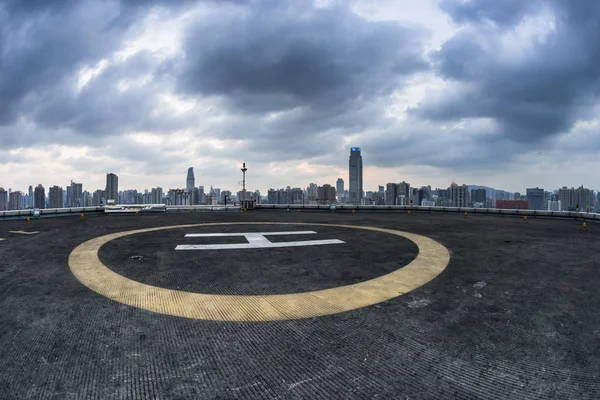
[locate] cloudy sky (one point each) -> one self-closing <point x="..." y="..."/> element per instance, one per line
<point x="503" y="93"/>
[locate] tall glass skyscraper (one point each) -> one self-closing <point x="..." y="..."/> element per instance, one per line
<point x="355" y="190"/>
<point x="190" y="181"/>
<point x="112" y="187"/>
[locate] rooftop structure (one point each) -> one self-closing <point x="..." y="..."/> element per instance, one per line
<point x="263" y="304"/>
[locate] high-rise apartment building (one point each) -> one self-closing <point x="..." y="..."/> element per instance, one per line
<point x="459" y="195"/>
<point x="3" y="199"/>
<point x="15" y="200"/>
<point x="355" y="169"/>
<point x="112" y="187"/>
<point x="403" y="189"/>
<point x="190" y="181"/>
<point x="326" y="194"/>
<point x="55" y="197"/>
<point x="157" y="195"/>
<point x="535" y="197"/>
<point x="391" y="194"/>
<point x="76" y="194"/>
<point x="98" y="197"/>
<point x="582" y="198"/>
<point x="339" y="188"/>
<point x="39" y="197"/>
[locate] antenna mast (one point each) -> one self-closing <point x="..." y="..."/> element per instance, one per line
<point x="244" y="169"/>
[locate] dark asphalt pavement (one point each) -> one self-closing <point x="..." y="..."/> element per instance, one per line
<point x="513" y="316"/>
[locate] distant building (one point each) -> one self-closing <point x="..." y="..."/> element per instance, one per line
<point x="478" y="195"/>
<point x="87" y="199"/>
<point x="554" y="205"/>
<point x="30" y="200"/>
<point x="15" y="200"/>
<point x="311" y="193"/>
<point x="39" y="197"/>
<point x="326" y="194"/>
<point x="55" y="197"/>
<point x="98" y="197"/>
<point x="178" y="197"/>
<point x="157" y="195"/>
<point x="582" y="198"/>
<point x="112" y="187"/>
<point x="535" y="197"/>
<point x="3" y="199"/>
<point x="512" y="204"/>
<point x="76" y="194"/>
<point x="391" y="193"/>
<point x="428" y="203"/>
<point x="567" y="198"/>
<point x="225" y="197"/>
<point x="190" y="181"/>
<point x="459" y="195"/>
<point x="339" y="188"/>
<point x="355" y="169"/>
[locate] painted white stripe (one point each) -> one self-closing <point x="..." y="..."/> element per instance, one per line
<point x="25" y="232"/>
<point x="256" y="245"/>
<point x="249" y="233"/>
<point x="1" y="239"/>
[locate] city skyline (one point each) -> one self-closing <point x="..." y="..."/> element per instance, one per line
<point x="150" y="96"/>
<point x="563" y="198"/>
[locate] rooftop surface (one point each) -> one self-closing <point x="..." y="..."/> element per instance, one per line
<point x="426" y="306"/>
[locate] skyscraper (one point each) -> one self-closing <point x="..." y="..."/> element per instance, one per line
<point x="15" y="200"/>
<point x="535" y="197"/>
<point x="112" y="187"/>
<point x="40" y="197"/>
<point x="339" y="188"/>
<point x="30" y="196"/>
<point x="391" y="194"/>
<point x="190" y="181"/>
<point x="76" y="194"/>
<point x="55" y="197"/>
<point x="355" y="168"/>
<point x="3" y="199"/>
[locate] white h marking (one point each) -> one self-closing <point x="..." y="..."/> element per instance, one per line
<point x="256" y="240"/>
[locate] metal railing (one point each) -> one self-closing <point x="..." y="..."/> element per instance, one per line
<point x="145" y="208"/>
<point x="457" y="210"/>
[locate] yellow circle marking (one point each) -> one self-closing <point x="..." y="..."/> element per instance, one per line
<point x="87" y="267"/>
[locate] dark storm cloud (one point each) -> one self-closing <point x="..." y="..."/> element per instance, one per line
<point x="101" y="109"/>
<point x="504" y="12"/>
<point x="277" y="56"/>
<point x="532" y="96"/>
<point x="43" y="43"/>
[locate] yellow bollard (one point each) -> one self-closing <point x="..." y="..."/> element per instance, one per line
<point x="408" y="212"/>
<point x="28" y="220"/>
<point x="525" y="218"/>
<point x="465" y="214"/>
<point x="353" y="211"/>
<point x="244" y="210"/>
<point x="81" y="216"/>
<point x="298" y="210"/>
<point x="137" y="212"/>
<point x="584" y="226"/>
<point x="191" y="210"/>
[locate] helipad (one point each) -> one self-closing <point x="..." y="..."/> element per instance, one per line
<point x="299" y="305"/>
